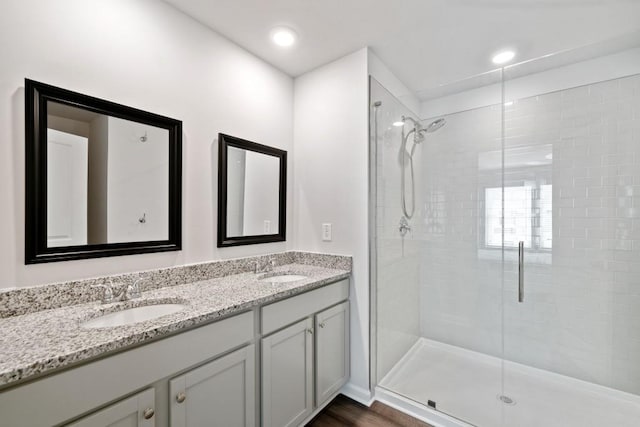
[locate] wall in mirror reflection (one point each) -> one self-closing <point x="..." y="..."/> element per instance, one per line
<point x="107" y="179"/>
<point x="253" y="193"/>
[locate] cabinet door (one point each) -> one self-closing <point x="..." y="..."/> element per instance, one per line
<point x="287" y="375"/>
<point x="220" y="393"/>
<point x="332" y="351"/>
<point x="135" y="411"/>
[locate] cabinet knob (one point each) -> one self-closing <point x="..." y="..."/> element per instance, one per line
<point x="181" y="397"/>
<point x="321" y="325"/>
<point x="310" y="331"/>
<point x="148" y="413"/>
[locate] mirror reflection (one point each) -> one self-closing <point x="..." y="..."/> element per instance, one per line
<point x="107" y="179"/>
<point x="252" y="188"/>
<point x="253" y="183"/>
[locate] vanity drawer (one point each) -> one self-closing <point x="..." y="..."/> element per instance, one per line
<point x="285" y="312"/>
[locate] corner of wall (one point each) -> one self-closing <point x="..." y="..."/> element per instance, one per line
<point x="383" y="74"/>
<point x="331" y="140"/>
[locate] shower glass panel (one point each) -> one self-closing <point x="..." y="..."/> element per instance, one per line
<point x="396" y="260"/>
<point x="439" y="278"/>
<point x="572" y="195"/>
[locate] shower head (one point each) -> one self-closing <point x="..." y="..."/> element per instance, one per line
<point x="432" y="127"/>
<point x="435" y="125"/>
<point x="419" y="131"/>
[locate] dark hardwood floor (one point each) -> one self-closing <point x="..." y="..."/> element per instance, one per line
<point x="343" y="411"/>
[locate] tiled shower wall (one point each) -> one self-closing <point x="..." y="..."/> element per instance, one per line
<point x="460" y="285"/>
<point x="572" y="193"/>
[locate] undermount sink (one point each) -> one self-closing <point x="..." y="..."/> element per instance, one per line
<point x="133" y="315"/>
<point x="283" y="278"/>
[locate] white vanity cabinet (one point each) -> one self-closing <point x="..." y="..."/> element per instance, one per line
<point x="332" y="351"/>
<point x="305" y="353"/>
<point x="220" y="393"/>
<point x="287" y="375"/>
<point x="135" y="411"/>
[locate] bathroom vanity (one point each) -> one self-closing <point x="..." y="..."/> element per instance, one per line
<point x="244" y="351"/>
<point x="253" y="341"/>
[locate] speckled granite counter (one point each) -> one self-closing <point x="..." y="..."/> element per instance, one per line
<point x="39" y="342"/>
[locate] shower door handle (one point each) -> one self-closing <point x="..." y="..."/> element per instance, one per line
<point x="520" y="271"/>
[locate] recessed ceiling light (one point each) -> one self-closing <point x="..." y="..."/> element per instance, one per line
<point x="283" y="36"/>
<point x="398" y="124"/>
<point x="503" y="57"/>
<point x="508" y="103"/>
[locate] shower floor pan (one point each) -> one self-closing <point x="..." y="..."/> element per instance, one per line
<point x="468" y="385"/>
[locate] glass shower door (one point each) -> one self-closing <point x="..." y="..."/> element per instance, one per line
<point x="571" y="275"/>
<point x="461" y="265"/>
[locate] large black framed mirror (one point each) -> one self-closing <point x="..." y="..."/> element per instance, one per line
<point x="102" y="179"/>
<point x="252" y="192"/>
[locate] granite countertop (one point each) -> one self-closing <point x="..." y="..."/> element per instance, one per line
<point x="41" y="342"/>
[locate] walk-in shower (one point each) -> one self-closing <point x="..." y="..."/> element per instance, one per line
<point x="533" y="186"/>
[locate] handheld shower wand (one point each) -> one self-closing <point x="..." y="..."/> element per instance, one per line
<point x="418" y="136"/>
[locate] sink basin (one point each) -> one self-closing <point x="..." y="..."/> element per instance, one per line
<point x="133" y="315"/>
<point x="283" y="278"/>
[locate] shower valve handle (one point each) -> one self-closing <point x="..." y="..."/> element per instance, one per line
<point x="404" y="226"/>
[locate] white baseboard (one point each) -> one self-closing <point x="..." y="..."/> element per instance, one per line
<point x="357" y="393"/>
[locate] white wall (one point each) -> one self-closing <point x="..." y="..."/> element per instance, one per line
<point x="261" y="190"/>
<point x="147" y="55"/>
<point x="332" y="175"/>
<point x="236" y="164"/>
<point x="331" y="164"/>
<point x="137" y="177"/>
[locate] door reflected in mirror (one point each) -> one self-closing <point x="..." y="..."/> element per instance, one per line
<point x="252" y="193"/>
<point x="107" y="179"/>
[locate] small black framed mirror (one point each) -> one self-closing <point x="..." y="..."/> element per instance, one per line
<point x="102" y="179"/>
<point x="252" y="192"/>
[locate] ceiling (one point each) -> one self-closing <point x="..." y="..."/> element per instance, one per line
<point x="426" y="43"/>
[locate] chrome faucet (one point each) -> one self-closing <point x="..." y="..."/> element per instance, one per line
<point x="127" y="293"/>
<point x="266" y="267"/>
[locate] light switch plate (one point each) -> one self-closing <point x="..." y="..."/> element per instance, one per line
<point x="326" y="232"/>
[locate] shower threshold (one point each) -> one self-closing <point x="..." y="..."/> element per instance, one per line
<point x="468" y="385"/>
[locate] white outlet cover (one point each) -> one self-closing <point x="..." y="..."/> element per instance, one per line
<point x="326" y="232"/>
